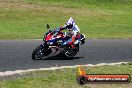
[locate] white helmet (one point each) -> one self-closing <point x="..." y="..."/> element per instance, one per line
<point x="70" y="23"/>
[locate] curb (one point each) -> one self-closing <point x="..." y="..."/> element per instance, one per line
<point x="9" y="73"/>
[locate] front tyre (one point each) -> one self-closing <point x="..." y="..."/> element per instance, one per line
<point x="36" y="54"/>
<point x="41" y="52"/>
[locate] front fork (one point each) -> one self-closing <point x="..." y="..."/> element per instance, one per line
<point x="45" y="45"/>
<point x="46" y="50"/>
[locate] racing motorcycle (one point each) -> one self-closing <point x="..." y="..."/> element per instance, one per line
<point x="52" y="45"/>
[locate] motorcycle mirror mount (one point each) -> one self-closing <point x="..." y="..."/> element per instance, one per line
<point x="48" y="26"/>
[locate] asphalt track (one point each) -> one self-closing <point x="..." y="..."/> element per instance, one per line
<point x="16" y="54"/>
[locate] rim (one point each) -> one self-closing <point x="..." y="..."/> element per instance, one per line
<point x="70" y="53"/>
<point x="39" y="55"/>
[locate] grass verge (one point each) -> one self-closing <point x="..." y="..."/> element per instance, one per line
<point x="26" y="19"/>
<point x="64" y="78"/>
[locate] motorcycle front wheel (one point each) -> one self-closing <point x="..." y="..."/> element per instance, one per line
<point x="40" y="52"/>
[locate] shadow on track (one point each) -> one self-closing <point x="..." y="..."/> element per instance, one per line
<point x="62" y="58"/>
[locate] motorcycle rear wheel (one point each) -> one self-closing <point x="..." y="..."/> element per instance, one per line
<point x="70" y="53"/>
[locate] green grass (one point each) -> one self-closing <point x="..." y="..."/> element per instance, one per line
<point x="26" y="19"/>
<point x="64" y="78"/>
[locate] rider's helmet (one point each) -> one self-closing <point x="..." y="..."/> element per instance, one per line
<point x="70" y="23"/>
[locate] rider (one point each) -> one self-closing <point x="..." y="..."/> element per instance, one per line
<point x="73" y="30"/>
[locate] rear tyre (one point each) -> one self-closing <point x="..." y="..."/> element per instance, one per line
<point x="70" y="53"/>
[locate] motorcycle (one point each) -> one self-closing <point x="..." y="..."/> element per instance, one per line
<point x="52" y="45"/>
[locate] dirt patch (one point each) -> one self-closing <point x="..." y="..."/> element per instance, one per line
<point x="16" y="5"/>
<point x="49" y="8"/>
